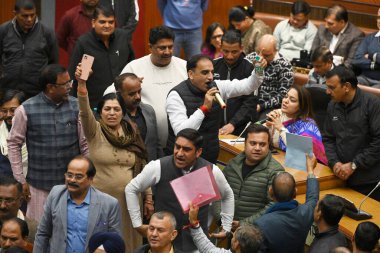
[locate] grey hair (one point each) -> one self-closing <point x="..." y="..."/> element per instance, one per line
<point x="162" y="214"/>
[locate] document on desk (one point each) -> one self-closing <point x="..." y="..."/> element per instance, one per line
<point x="296" y="148"/>
<point x="233" y="141"/>
<point x="198" y="187"/>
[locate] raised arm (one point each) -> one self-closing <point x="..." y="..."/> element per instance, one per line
<point x="87" y="118"/>
<point x="235" y="88"/>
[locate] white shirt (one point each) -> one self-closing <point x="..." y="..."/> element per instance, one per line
<point x="157" y="83"/>
<point x="335" y="39"/>
<point x="151" y="175"/>
<point x="176" y="109"/>
<point x="291" y="40"/>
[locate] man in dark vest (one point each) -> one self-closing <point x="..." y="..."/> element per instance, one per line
<point x="190" y="104"/>
<point x="185" y="159"/>
<point x="48" y="123"/>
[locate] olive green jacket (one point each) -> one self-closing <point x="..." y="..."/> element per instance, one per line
<point x="251" y="195"/>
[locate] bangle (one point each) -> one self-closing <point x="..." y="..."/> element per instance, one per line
<point x="194" y="225"/>
<point x="204" y="109"/>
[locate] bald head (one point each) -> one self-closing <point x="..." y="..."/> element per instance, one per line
<point x="267" y="47"/>
<point x="283" y="187"/>
<point x="265" y="42"/>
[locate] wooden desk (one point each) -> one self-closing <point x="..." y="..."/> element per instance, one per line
<point x="326" y="177"/>
<point x="348" y="225"/>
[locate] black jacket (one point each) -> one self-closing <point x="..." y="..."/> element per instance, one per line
<point x="240" y="110"/>
<point x="23" y="56"/>
<point x="352" y="134"/>
<point x="108" y="63"/>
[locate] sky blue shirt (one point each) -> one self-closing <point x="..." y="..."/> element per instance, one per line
<point x="183" y="14"/>
<point x="77" y="217"/>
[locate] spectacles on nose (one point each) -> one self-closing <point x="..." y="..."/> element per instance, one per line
<point x="8" y="110"/>
<point x="66" y="84"/>
<point x="8" y="201"/>
<point x="77" y="177"/>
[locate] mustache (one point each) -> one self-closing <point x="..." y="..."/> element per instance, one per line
<point x="73" y="185"/>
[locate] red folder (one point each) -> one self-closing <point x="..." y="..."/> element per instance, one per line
<point x="199" y="187"/>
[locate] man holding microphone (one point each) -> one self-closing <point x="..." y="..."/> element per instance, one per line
<point x="190" y="104"/>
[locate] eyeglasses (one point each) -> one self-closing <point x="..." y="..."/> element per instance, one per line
<point x="66" y="84"/>
<point x="8" y="110"/>
<point x="77" y="177"/>
<point x="8" y="201"/>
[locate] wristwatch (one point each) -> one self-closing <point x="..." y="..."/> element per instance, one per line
<point x="353" y="166"/>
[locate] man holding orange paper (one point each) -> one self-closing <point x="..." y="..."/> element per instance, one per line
<point x="185" y="159"/>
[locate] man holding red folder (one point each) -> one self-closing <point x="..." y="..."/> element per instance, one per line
<point x="185" y="159"/>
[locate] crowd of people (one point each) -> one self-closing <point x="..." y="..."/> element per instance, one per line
<point x="86" y="165"/>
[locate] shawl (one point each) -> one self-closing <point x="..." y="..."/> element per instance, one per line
<point x="306" y="128"/>
<point x="131" y="141"/>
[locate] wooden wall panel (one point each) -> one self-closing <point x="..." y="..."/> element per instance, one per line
<point x="7" y="7"/>
<point x="6" y="10"/>
<point x="361" y="12"/>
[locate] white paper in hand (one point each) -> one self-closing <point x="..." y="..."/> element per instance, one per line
<point x="296" y="148"/>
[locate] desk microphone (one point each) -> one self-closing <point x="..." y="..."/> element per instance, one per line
<point x="358" y="214"/>
<point x="212" y="84"/>
<point x="245" y="128"/>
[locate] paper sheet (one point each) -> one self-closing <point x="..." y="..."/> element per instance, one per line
<point x="296" y="148"/>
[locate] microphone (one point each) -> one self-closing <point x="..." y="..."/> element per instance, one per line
<point x="219" y="99"/>
<point x="358" y="214"/>
<point x="245" y="128"/>
<point x="263" y="121"/>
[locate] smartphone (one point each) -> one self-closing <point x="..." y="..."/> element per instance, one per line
<point x="86" y="64"/>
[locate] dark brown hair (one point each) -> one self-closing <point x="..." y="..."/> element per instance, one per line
<point x="304" y="100"/>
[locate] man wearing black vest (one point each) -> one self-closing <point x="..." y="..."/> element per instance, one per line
<point x="159" y="173"/>
<point x="190" y="104"/>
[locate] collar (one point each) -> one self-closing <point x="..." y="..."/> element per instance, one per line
<point x="194" y="89"/>
<point x="111" y="38"/>
<point x="18" y="28"/>
<point x="283" y="206"/>
<point x="171" y="250"/>
<point x="302" y="27"/>
<point x="355" y="101"/>
<point x="342" y="31"/>
<point x="377" y="34"/>
<point x="237" y="63"/>
<point x="49" y="101"/>
<point x="276" y="57"/>
<point x="86" y="200"/>
<point x="139" y="111"/>
<point x="20" y="215"/>
<point x="333" y="230"/>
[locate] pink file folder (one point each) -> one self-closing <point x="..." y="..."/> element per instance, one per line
<point x="198" y="187"/>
